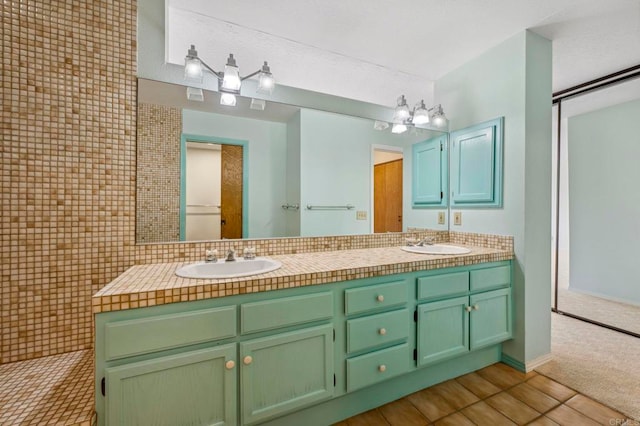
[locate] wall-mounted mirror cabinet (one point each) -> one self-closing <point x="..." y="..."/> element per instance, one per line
<point x="206" y="171"/>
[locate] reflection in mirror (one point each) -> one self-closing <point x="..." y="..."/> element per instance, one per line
<point x="334" y="168"/>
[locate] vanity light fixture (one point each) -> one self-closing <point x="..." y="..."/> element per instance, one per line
<point x="229" y="80"/>
<point x="195" y="94"/>
<point x="403" y="117"/>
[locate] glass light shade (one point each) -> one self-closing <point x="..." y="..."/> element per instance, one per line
<point x="401" y="113"/>
<point x="193" y="70"/>
<point x="421" y="116"/>
<point x="440" y="120"/>
<point x="266" y="83"/>
<point x="227" y="99"/>
<point x="398" y="128"/>
<point x="231" y="79"/>
<point x="195" y="94"/>
<point x="258" y="104"/>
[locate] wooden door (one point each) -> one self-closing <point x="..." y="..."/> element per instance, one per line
<point x="231" y="192"/>
<point x="387" y="196"/>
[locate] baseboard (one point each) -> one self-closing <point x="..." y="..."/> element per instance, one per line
<point x="526" y="367"/>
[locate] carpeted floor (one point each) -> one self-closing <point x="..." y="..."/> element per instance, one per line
<point x="600" y="363"/>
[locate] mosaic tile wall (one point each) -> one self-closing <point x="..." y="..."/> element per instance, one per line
<point x="68" y="167"/>
<point x="158" y="194"/>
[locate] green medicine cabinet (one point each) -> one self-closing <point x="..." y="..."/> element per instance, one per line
<point x="429" y="186"/>
<point x="476" y="165"/>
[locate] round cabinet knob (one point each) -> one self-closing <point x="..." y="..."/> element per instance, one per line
<point x="382" y="331"/>
<point x="467" y="308"/>
<point x="382" y="368"/>
<point x="476" y="307"/>
<point x="380" y="298"/>
<point x="230" y="365"/>
<point x="247" y="360"/>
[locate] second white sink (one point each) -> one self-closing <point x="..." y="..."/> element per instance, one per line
<point x="222" y="269"/>
<point x="436" y="249"/>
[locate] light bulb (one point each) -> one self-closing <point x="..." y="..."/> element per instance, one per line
<point x="266" y="82"/>
<point x="227" y="99"/>
<point x="193" y="70"/>
<point x="231" y="80"/>
<point x="398" y="128"/>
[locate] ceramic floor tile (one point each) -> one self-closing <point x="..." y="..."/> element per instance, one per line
<point x="501" y="375"/>
<point x="432" y="405"/>
<point x="368" y="418"/>
<point x="543" y="421"/>
<point x="514" y="409"/>
<point x="455" y="419"/>
<point x="481" y="387"/>
<point x="595" y="410"/>
<point x="551" y="388"/>
<point x="455" y="394"/>
<point x="534" y="398"/>
<point x="402" y="413"/>
<point x="565" y="415"/>
<point x="483" y="414"/>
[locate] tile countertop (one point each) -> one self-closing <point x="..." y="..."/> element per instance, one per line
<point x="157" y="284"/>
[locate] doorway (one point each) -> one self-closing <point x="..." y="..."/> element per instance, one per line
<point x="387" y="189"/>
<point x="213" y="189"/>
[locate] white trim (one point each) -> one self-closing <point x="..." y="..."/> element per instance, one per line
<point x="532" y="365"/>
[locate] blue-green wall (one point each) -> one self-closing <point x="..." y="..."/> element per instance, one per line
<point x="604" y="201"/>
<point x="267" y="142"/>
<point x="292" y="217"/>
<point x="513" y="79"/>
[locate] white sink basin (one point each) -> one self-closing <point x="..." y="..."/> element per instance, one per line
<point x="436" y="249"/>
<point x="222" y="269"/>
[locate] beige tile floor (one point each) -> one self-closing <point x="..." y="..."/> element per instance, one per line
<point x="57" y="390"/>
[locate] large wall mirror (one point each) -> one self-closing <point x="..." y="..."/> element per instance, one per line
<point x="206" y="171"/>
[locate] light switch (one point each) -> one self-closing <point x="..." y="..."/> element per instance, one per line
<point x="440" y="218"/>
<point x="457" y="218"/>
<point x="361" y="215"/>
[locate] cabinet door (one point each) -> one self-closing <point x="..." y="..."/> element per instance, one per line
<point x="429" y="173"/>
<point x="193" y="388"/>
<point x="490" y="317"/>
<point x="285" y="372"/>
<point x="443" y="330"/>
<point x="476" y="165"/>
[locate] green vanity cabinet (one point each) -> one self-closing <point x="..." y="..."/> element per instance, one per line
<point x="196" y="387"/>
<point x="463" y="315"/>
<point x="285" y="372"/>
<point x="310" y="355"/>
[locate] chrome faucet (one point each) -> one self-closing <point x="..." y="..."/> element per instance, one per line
<point x="249" y="253"/>
<point x="429" y="241"/>
<point x="231" y="256"/>
<point x="211" y="256"/>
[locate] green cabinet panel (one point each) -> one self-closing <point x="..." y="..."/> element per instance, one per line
<point x="429" y="170"/>
<point x="375" y="297"/>
<point x="443" y="330"/>
<point x="286" y="311"/>
<point x="377" y="366"/>
<point x="160" y="332"/>
<point x="377" y="330"/>
<point x="490" y="278"/>
<point x="285" y="372"/>
<point x="476" y="165"/>
<point x="490" y="318"/>
<point x="192" y="388"/>
<point x="443" y="285"/>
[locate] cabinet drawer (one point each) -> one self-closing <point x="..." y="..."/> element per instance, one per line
<point x="375" y="367"/>
<point x="135" y="337"/>
<point x="484" y="279"/>
<point x="376" y="330"/>
<point x="373" y="297"/>
<point x="283" y="312"/>
<point x="443" y="285"/>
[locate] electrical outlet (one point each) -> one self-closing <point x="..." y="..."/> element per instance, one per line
<point x="457" y="218"/>
<point x="440" y="218"/>
<point x="361" y="215"/>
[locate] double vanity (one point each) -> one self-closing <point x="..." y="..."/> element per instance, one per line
<point x="322" y="337"/>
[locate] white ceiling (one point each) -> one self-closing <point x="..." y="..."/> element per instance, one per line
<point x="355" y="48"/>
